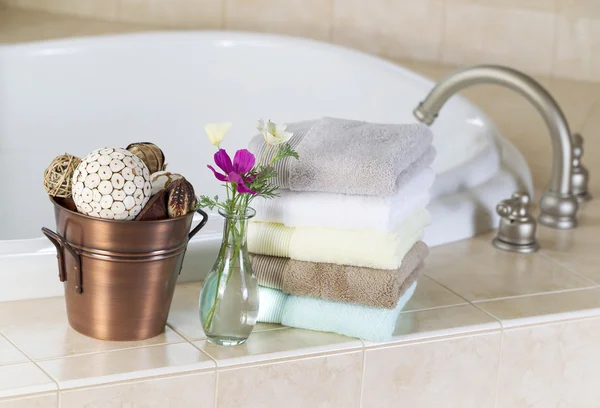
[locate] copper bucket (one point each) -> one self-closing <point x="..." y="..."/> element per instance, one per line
<point x="119" y="276"/>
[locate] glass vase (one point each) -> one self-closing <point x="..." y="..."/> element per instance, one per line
<point x="229" y="297"/>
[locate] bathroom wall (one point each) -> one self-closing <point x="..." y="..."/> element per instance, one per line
<point x="550" y="37"/>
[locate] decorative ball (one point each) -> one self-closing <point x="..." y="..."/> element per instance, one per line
<point x="150" y="154"/>
<point x="111" y="183"/>
<point x="162" y="179"/>
<point x="58" y="175"/>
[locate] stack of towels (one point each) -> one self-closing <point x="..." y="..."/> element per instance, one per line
<point x="340" y="250"/>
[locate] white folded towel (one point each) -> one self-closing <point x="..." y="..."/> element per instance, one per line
<point x="343" y="211"/>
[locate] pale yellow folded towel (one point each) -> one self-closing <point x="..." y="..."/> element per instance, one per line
<point x="371" y="249"/>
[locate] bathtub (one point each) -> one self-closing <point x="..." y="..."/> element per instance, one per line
<point x="76" y="95"/>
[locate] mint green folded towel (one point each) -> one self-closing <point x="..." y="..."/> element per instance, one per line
<point x="271" y="304"/>
<point x="366" y="323"/>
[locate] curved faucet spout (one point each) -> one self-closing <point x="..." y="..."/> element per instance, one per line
<point x="558" y="205"/>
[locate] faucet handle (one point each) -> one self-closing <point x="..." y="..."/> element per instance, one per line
<point x="517" y="228"/>
<point x="516" y="207"/>
<point x="580" y="176"/>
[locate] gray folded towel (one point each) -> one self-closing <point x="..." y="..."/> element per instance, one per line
<point x="351" y="157"/>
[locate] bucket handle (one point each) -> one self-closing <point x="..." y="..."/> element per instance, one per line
<point x="61" y="244"/>
<point x="200" y="225"/>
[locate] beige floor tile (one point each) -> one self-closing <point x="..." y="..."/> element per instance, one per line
<point x="430" y="294"/>
<point x="189" y="391"/>
<point x="9" y="354"/>
<point x="124" y="365"/>
<point x="184" y="316"/>
<point x="544" y="308"/>
<point x="38" y="401"/>
<point x="327" y="381"/>
<point x="22" y="379"/>
<point x="306" y="18"/>
<point x="278" y="344"/>
<point x="440" y="322"/>
<point x="475" y="270"/>
<point x="553" y="365"/>
<point x="458" y="372"/>
<point x="47" y="319"/>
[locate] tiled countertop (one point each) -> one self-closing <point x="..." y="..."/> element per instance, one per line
<point x="476" y="306"/>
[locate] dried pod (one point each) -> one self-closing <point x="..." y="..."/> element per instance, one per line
<point x="151" y="155"/>
<point x="181" y="198"/>
<point x="156" y="209"/>
<point x="162" y="179"/>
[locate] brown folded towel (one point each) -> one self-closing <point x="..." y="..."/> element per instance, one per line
<point x="370" y="287"/>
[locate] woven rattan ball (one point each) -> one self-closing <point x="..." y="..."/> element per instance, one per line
<point x="57" y="177"/>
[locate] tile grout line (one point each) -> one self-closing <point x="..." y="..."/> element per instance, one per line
<point x="447" y="288"/>
<point x="223" y="14"/>
<point x="362" y="376"/>
<point x="92" y="353"/>
<point x="554" y="59"/>
<point x="282" y="360"/>
<point x="567" y="268"/>
<point x="216" y="386"/>
<point x="442" y="38"/>
<point x="330" y="34"/>
<point x="426" y="309"/>
<point x="433" y="339"/>
<point x="35" y="363"/>
<point x="497" y="390"/>
<point x="554" y="292"/>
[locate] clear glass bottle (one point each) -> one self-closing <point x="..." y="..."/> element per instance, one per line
<point x="229" y="297"/>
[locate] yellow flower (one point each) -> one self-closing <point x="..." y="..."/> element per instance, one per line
<point x="216" y="132"/>
<point x="274" y="134"/>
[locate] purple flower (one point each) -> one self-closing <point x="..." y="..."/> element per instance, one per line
<point x="243" y="162"/>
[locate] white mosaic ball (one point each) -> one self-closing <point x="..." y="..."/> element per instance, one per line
<point x="111" y="183"/>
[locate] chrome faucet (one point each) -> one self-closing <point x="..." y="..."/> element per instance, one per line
<point x="558" y="205"/>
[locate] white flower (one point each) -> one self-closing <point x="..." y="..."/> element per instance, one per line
<point x="216" y="131"/>
<point x="274" y="134"/>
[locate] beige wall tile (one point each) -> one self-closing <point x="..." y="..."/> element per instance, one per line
<point x="38" y="401"/>
<point x="304" y="18"/>
<point x="549" y="5"/>
<point x="190" y="391"/>
<point x="552" y="365"/>
<point x="173" y="13"/>
<point x="579" y="7"/>
<point x="393" y="28"/>
<point x="100" y="9"/>
<point x="521" y="38"/>
<point x="459" y="372"/>
<point x="577" y="51"/>
<point x="329" y="381"/>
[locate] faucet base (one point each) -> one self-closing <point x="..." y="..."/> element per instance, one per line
<point x="522" y="249"/>
<point x="558" y="211"/>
